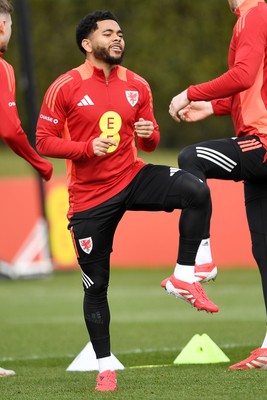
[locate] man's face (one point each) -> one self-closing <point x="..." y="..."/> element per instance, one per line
<point x="107" y="43"/>
<point x="5" y="31"/>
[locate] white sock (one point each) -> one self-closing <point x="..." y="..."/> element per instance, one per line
<point x="105" y="364"/>
<point x="264" y="344"/>
<point x="204" y="252"/>
<point x="185" y="273"/>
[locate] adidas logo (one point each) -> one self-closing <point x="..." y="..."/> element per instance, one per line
<point x="86" y="280"/>
<point x="86" y="101"/>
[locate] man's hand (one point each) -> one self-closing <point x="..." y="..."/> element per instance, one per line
<point x="45" y="169"/>
<point x="101" y="145"/>
<point x="143" y="129"/>
<point x="178" y="103"/>
<point x="196" y="111"/>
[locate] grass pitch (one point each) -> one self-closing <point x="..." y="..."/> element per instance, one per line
<point x="42" y="331"/>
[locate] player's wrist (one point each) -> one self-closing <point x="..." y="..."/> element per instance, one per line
<point x="89" y="150"/>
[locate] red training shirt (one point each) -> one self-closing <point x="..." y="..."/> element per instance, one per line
<point x="82" y="105"/>
<point x="10" y="126"/>
<point x="242" y="90"/>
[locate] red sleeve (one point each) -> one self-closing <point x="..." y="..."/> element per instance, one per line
<point x="222" y="106"/>
<point x="249" y="44"/>
<point x="52" y="123"/>
<point x="146" y="111"/>
<point x="10" y="128"/>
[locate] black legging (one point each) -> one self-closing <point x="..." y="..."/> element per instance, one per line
<point x="256" y="209"/>
<point x="156" y="188"/>
<point x="205" y="160"/>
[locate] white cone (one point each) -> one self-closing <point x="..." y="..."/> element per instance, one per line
<point x="86" y="361"/>
<point x="7" y="372"/>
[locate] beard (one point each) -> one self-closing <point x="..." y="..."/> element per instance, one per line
<point x="102" y="54"/>
<point x="3" y="48"/>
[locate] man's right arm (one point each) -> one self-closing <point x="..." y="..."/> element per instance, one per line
<point x="10" y="126"/>
<point x="51" y="125"/>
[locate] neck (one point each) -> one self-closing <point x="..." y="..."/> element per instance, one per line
<point x="107" y="68"/>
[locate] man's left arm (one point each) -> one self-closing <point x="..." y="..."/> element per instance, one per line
<point x="250" y="45"/>
<point x="146" y="127"/>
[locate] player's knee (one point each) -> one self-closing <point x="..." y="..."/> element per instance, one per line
<point x="200" y="194"/>
<point x="205" y="192"/>
<point x="95" y="277"/>
<point x="97" y="287"/>
<point x="95" y="295"/>
<point x="195" y="192"/>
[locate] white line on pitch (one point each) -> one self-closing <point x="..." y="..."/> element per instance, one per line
<point x="132" y="351"/>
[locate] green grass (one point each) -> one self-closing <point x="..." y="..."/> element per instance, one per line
<point x="42" y="331"/>
<point x="12" y="165"/>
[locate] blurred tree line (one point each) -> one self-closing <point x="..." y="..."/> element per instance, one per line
<point x="171" y="43"/>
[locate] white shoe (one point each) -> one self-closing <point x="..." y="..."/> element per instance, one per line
<point x="6" y="372"/>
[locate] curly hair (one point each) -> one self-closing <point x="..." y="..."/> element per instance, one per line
<point x="5" y="7"/>
<point x="89" y="24"/>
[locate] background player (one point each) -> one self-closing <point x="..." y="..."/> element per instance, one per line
<point x="10" y="127"/>
<point x="241" y="92"/>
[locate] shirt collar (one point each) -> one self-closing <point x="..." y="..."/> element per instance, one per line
<point x="246" y="5"/>
<point x="98" y="71"/>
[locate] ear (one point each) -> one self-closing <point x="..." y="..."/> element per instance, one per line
<point x="87" y="45"/>
<point x="2" y="25"/>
